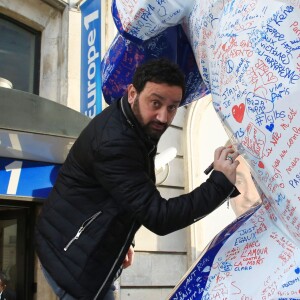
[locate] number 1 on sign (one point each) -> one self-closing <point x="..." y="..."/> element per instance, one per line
<point x="15" y="169"/>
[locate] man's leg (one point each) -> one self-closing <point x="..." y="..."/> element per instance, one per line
<point x="111" y="294"/>
<point x="57" y="290"/>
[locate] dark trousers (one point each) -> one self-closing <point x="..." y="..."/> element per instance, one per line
<point x="63" y="294"/>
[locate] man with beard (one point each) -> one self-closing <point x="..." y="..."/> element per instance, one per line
<point x="106" y="189"/>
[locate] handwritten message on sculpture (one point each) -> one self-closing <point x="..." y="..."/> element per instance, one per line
<point x="248" y="55"/>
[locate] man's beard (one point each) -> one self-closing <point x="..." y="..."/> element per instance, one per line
<point x="147" y="128"/>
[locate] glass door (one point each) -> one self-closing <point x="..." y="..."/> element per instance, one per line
<point x="16" y="251"/>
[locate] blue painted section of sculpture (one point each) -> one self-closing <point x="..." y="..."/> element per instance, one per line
<point x="248" y="55"/>
<point x="123" y="56"/>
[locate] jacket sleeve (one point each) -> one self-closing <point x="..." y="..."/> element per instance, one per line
<point x="119" y="166"/>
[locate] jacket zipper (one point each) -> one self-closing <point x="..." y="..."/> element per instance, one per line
<point x="153" y="148"/>
<point x="83" y="226"/>
<point x="124" y="113"/>
<point x="115" y="262"/>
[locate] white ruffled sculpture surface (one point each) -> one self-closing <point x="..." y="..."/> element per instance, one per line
<point x="248" y="55"/>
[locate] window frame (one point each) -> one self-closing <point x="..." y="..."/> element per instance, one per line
<point x="37" y="50"/>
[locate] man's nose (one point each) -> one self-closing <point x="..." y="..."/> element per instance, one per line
<point x="162" y="115"/>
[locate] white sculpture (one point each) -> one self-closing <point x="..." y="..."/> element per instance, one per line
<point x="248" y="54"/>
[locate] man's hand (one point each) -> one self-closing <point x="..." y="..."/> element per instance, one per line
<point x="128" y="261"/>
<point x="225" y="162"/>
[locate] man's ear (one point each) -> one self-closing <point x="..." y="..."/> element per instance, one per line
<point x="132" y="93"/>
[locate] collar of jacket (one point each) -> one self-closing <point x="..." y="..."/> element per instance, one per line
<point x="133" y="123"/>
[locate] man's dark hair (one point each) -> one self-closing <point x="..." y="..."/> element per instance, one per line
<point x="158" y="71"/>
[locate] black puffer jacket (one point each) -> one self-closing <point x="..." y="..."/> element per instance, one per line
<point x="104" y="192"/>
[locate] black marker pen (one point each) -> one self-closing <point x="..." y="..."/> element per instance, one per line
<point x="209" y="168"/>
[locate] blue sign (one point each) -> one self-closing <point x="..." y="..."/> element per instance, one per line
<point x="26" y="178"/>
<point x="91" y="95"/>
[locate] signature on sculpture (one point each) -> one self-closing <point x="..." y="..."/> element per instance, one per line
<point x="247" y="53"/>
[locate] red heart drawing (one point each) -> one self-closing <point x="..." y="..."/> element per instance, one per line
<point x="261" y="165"/>
<point x="238" y="112"/>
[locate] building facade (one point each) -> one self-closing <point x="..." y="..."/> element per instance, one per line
<point x="40" y="54"/>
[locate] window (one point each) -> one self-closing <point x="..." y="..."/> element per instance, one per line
<point x="19" y="55"/>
